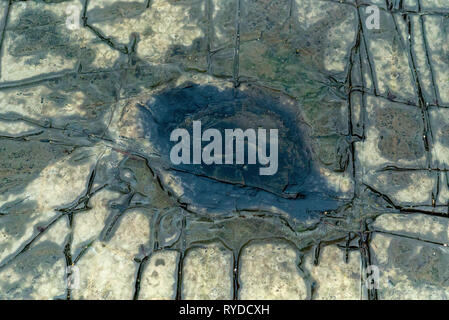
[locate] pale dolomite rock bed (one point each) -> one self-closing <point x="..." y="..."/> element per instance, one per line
<point x="87" y="212"/>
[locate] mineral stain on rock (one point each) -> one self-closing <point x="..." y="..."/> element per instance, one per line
<point x="294" y="189"/>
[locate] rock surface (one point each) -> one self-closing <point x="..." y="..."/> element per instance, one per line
<point x="90" y="207"/>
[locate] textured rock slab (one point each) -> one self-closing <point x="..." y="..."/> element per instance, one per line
<point x="68" y="101"/>
<point x="437" y="37"/>
<point x="389" y="56"/>
<point x="76" y="105"/>
<point x="393" y="156"/>
<point x="335" y="279"/>
<point x="38" y="273"/>
<point x="35" y="28"/>
<point x="439" y="120"/>
<point x="51" y="181"/>
<point x="107" y="270"/>
<point x="159" y="279"/>
<point x="88" y="225"/>
<point x="3" y="12"/>
<point x="270" y="271"/>
<point x="418" y="226"/>
<point x="393" y="135"/>
<point x="439" y="5"/>
<point x="207" y="273"/>
<point x="176" y="33"/>
<point x="410" y="269"/>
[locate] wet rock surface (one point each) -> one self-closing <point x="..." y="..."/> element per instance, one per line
<point x="295" y="186"/>
<point x="91" y="206"/>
